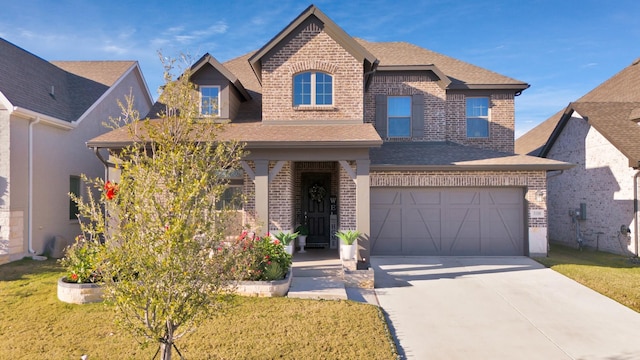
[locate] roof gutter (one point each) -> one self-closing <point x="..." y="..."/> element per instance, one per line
<point x="32" y="123"/>
<point x="635" y="210"/>
<point x="45" y="119"/>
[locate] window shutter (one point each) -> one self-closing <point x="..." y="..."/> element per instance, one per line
<point x="417" y="116"/>
<point x="381" y="115"/>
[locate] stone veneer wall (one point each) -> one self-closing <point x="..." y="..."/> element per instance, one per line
<point x="602" y="179"/>
<point x="311" y="49"/>
<point x="531" y="181"/>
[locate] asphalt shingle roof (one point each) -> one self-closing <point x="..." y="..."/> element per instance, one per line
<point x="448" y="155"/>
<point x="612" y="108"/>
<point x="63" y="90"/>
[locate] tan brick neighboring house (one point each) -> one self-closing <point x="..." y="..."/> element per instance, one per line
<point x="48" y="111"/>
<point x="600" y="133"/>
<point x="349" y="134"/>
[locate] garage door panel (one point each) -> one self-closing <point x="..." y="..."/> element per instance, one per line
<point x="421" y="230"/>
<point x="447" y="221"/>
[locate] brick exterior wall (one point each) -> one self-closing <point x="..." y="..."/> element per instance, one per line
<point x="602" y="179"/>
<point x="311" y="49"/>
<point x="404" y="85"/>
<point x="501" y="122"/>
<point x="347" y="199"/>
<point x="281" y="199"/>
<point x="532" y="181"/>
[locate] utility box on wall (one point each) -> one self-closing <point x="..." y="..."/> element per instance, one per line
<point x="583" y="211"/>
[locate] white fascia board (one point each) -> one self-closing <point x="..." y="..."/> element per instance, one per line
<point x="46" y="119"/>
<point x="4" y="102"/>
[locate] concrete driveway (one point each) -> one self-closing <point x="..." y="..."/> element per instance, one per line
<point x="499" y="308"/>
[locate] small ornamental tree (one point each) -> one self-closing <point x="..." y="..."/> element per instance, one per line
<point x="166" y="264"/>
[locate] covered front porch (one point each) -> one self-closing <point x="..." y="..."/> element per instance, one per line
<point x="318" y="190"/>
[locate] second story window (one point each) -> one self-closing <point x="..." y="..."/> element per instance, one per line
<point x="477" y="117"/>
<point x="399" y="116"/>
<point x="209" y="100"/>
<point x="312" y="88"/>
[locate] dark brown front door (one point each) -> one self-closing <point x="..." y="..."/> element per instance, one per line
<point x="316" y="188"/>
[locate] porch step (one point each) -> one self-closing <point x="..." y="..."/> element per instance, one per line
<point x="317" y="287"/>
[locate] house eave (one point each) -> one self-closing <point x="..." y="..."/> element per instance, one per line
<point x="515" y="87"/>
<point x="45" y="119"/>
<point x="312" y="144"/>
<point x="462" y="167"/>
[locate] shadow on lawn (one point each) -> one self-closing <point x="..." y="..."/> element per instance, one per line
<point x="18" y="269"/>
<point x="564" y="255"/>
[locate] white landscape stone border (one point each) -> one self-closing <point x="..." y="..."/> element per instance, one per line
<point x="275" y="288"/>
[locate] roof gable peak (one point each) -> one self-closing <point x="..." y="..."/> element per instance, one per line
<point x="331" y="28"/>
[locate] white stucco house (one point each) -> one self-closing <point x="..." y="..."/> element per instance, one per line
<point x="48" y="111"/>
<point x="594" y="203"/>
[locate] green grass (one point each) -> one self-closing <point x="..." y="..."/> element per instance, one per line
<point x="615" y="276"/>
<point x="35" y="324"/>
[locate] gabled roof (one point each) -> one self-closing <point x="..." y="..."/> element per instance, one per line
<point x="612" y="108"/>
<point x="331" y="28"/>
<point x="63" y="90"/>
<point x="532" y="141"/>
<point x="210" y="60"/>
<point x="462" y="75"/>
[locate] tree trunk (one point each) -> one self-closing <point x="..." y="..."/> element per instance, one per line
<point x="165" y="350"/>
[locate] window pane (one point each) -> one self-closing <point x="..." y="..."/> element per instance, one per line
<point x="400" y="127"/>
<point x="399" y="106"/>
<point x="74" y="188"/>
<point x="477" y="128"/>
<point x="302" y="89"/>
<point x="324" y="89"/>
<point x="230" y="199"/>
<point x="477" y="107"/>
<point x="209" y="100"/>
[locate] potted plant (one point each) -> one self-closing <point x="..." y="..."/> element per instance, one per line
<point x="303" y="232"/>
<point x="347" y="240"/>
<point x="287" y="239"/>
<point x="83" y="282"/>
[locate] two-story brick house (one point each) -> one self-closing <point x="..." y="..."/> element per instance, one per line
<point x="410" y="147"/>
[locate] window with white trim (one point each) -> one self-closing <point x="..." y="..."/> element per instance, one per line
<point x="210" y="100"/>
<point x="399" y="116"/>
<point x="477" y="113"/>
<point x="312" y="88"/>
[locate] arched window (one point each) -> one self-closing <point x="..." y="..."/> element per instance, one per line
<point x="312" y="88"/>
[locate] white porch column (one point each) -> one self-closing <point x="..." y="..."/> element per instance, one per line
<point x="363" y="207"/>
<point x="261" y="182"/>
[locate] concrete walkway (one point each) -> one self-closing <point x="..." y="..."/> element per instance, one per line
<point x="499" y="308"/>
<point x="317" y="274"/>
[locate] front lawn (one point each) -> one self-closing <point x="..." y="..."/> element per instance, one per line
<point x="35" y="324"/>
<point x="615" y="276"/>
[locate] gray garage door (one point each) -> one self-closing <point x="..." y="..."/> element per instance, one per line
<point x="447" y="221"/>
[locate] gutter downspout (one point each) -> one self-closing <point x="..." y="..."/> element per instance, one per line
<point x="635" y="210"/>
<point x="30" y="191"/>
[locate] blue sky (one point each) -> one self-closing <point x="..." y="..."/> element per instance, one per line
<point x="563" y="48"/>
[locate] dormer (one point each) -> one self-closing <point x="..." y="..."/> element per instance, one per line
<point x="312" y="72"/>
<point x="220" y="91"/>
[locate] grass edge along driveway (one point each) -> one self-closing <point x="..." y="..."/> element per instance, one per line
<point x="615" y="276"/>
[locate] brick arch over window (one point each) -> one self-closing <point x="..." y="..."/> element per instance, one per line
<point x="312" y="65"/>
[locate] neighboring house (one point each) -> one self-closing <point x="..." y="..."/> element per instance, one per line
<point x="48" y="111"/>
<point x="410" y="147"/>
<point x="600" y="133"/>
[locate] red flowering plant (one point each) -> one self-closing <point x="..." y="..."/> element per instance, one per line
<point x="110" y="190"/>
<point x="267" y="260"/>
<point x="82" y="260"/>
